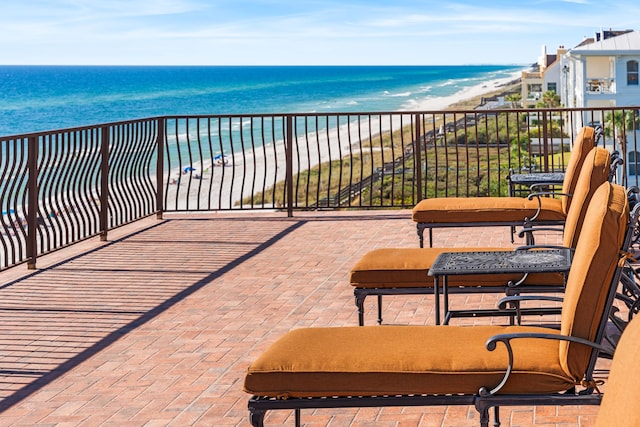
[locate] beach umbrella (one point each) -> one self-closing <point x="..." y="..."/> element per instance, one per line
<point x="220" y="159"/>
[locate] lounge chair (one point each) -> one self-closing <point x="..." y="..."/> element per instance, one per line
<point x="404" y="271"/>
<point x="504" y="211"/>
<point x="533" y="181"/>
<point x="485" y="366"/>
<point x="620" y="400"/>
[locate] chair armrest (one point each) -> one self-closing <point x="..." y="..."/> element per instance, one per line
<point x="502" y="304"/>
<point x="529" y="230"/>
<point x="534" y="186"/>
<point x="529" y="247"/>
<point x="538" y="197"/>
<point x="615" y="162"/>
<point x="506" y="340"/>
<point x="539" y="194"/>
<point x="598" y="131"/>
<point x="633" y="194"/>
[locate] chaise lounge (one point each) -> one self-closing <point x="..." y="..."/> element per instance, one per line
<point x="520" y="183"/>
<point x="485" y="366"/>
<point x="620" y="400"/>
<point x="404" y="271"/>
<point x="504" y="211"/>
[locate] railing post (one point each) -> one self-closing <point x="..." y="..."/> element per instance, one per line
<point x="288" y="148"/>
<point x="32" y="210"/>
<point x="160" y="168"/>
<point x="104" y="183"/>
<point x="417" y="152"/>
<point x="545" y="139"/>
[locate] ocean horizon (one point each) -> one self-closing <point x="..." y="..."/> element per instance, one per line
<point x="42" y="98"/>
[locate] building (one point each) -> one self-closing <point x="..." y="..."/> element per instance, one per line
<point x="603" y="72"/>
<point x="544" y="76"/>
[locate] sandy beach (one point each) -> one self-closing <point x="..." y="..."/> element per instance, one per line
<point x="221" y="187"/>
<point x="210" y="185"/>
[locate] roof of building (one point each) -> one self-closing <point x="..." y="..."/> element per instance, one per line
<point x="628" y="41"/>
<point x="603" y="35"/>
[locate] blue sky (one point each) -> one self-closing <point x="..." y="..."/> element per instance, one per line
<point x="299" y="32"/>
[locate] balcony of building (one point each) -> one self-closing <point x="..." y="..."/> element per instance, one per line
<point x="157" y="325"/>
<point x="603" y="85"/>
<point x="145" y="264"/>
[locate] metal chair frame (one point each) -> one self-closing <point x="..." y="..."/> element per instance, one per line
<point x="530" y="226"/>
<point x="485" y="399"/>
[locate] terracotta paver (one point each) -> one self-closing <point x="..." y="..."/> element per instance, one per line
<point x="158" y="325"/>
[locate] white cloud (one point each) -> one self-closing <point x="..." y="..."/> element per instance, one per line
<point x="330" y="31"/>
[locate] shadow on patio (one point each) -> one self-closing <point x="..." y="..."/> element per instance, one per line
<point x="158" y="325"/>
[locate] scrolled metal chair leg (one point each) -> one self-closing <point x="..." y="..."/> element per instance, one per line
<point x="484" y="418"/>
<point x="360" y="304"/>
<point x="256" y="417"/>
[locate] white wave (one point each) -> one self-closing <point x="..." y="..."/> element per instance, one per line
<point x="401" y="95"/>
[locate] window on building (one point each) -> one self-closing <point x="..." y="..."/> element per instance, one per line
<point x="552" y="87"/>
<point x="632" y="73"/>
<point x="633" y="168"/>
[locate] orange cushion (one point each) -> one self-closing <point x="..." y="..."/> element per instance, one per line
<point x="594" y="173"/>
<point x="592" y="269"/>
<point x="622" y="391"/>
<point x="447" y="210"/>
<point x="409" y="267"/>
<point x="485" y="209"/>
<point x="584" y="142"/>
<point x="378" y="360"/>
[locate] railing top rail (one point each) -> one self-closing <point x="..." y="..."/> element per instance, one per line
<point x="62" y="186"/>
<point x="77" y="128"/>
<point x="496" y="111"/>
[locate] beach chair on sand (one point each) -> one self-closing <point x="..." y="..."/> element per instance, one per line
<point x="484" y="366"/>
<point x="404" y="271"/>
<point x="504" y="211"/>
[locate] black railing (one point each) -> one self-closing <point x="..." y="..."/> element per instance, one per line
<point x="64" y="186"/>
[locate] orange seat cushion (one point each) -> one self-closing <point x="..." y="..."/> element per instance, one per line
<point x="381" y="360"/>
<point x="409" y="267"/>
<point x="622" y="391"/>
<point x="486" y="209"/>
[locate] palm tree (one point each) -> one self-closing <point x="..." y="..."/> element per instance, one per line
<point x="550" y="99"/>
<point x="514" y="99"/>
<point x="617" y="123"/>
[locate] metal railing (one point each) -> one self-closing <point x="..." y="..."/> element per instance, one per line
<point x="61" y="187"/>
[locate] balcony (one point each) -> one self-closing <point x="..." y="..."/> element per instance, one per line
<point x="164" y="254"/>
<point x="158" y="324"/>
<point x="600" y="86"/>
<point x="58" y="188"/>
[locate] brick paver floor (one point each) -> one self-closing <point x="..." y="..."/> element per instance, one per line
<point x="158" y="325"/>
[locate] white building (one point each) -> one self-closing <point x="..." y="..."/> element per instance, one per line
<point x="544" y="77"/>
<point x="603" y="73"/>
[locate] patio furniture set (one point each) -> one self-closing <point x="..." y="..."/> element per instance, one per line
<point x="485" y="366"/>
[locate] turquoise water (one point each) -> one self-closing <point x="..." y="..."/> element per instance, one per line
<point x="38" y="98"/>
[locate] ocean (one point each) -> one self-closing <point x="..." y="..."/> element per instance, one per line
<point x="40" y="98"/>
